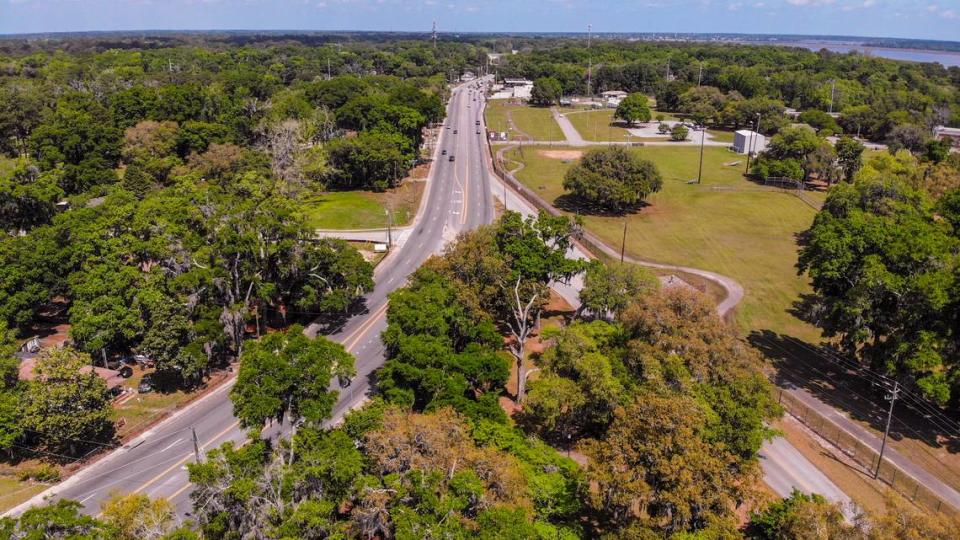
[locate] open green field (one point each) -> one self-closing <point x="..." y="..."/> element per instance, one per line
<point x="364" y="209"/>
<point x="726" y="224"/>
<point x="598" y="125"/>
<point x="536" y="122"/>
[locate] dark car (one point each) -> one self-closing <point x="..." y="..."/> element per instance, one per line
<point x="444" y="152"/>
<point x="454" y="132"/>
<point x="451" y="157"/>
<point x="146" y="384"/>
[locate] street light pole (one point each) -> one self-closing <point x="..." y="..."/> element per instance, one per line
<point x="623" y="243"/>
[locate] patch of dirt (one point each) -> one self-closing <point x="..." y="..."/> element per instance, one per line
<point x="561" y="154"/>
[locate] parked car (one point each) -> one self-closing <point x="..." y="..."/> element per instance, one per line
<point x="146" y="384"/>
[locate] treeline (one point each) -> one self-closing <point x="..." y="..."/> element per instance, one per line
<point x="663" y="403"/>
<point x="154" y="200"/>
<point x="873" y="95"/>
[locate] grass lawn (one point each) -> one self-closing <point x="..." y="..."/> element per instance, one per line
<point x="537" y="122"/>
<point x="727" y="224"/>
<point x="364" y="209"/>
<point x="598" y="125"/>
<point x="721" y="135"/>
<point x="14" y="492"/>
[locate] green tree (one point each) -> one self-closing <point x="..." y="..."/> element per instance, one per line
<point x="679" y="132"/>
<point x="655" y="457"/>
<point x="62" y="519"/>
<point x="801" y="516"/>
<point x="609" y="289"/>
<point x="168" y="338"/>
<point x="880" y="263"/>
<point x="825" y="124"/>
<point x="613" y="178"/>
<point x="535" y="254"/>
<point x="135" y="516"/>
<point x="67" y="406"/>
<point x="546" y="92"/>
<point x="287" y="374"/>
<point x="633" y="108"/>
<point x="850" y="156"/>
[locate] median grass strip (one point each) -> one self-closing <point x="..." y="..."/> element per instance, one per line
<point x="727" y="224"/>
<point x="536" y="122"/>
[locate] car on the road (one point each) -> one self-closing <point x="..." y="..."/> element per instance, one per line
<point x="454" y="132"/>
<point x="478" y="122"/>
<point x="451" y="157"/>
<point x="478" y="132"/>
<point x="444" y="152"/>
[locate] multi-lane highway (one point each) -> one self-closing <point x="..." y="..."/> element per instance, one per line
<point x="457" y="199"/>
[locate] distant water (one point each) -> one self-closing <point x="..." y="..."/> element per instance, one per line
<point x="910" y="55"/>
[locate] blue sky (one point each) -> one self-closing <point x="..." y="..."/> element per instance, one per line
<point x="931" y="19"/>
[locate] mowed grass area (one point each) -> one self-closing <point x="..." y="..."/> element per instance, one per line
<point x="598" y="125"/>
<point x="13" y="491"/>
<point x="364" y="209"/>
<point x="536" y="122"/>
<point x="727" y="224"/>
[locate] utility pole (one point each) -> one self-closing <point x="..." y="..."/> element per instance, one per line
<point x="833" y="88"/>
<point x="703" y="132"/>
<point x="700" y="75"/>
<point x="389" y="228"/>
<point x="196" y="444"/>
<point x="883" y="446"/>
<point x="623" y="243"/>
<point x="756" y="131"/>
<point x="328" y="69"/>
<point x="434" y="34"/>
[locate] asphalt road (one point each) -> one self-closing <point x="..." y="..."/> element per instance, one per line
<point x="458" y="199"/>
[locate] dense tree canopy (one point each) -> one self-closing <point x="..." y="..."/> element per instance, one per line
<point x="612" y="178"/>
<point x="884" y="269"/>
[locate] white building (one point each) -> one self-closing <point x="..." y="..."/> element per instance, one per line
<point x="942" y="133"/>
<point x="746" y="140"/>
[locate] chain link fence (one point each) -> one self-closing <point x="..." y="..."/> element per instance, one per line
<point x="864" y="455"/>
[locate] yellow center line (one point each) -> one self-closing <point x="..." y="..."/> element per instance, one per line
<point x="367" y="325"/>
<point x="357" y="331"/>
<point x="183" y="460"/>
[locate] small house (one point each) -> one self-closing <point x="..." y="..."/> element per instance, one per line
<point x="747" y="141"/>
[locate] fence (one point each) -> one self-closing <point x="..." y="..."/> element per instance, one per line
<point x="864" y="455"/>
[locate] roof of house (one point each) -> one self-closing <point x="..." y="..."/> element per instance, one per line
<point x="943" y="130"/>
<point x="613" y="93"/>
<point x="748" y="133"/>
<point x="28" y="362"/>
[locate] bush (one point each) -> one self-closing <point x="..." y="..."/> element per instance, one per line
<point x="41" y="473"/>
<point x="679" y="132"/>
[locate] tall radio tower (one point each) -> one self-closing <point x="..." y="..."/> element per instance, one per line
<point x="589" y="60"/>
<point x="434" y="34"/>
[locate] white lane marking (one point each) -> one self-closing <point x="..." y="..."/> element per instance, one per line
<point x="169" y="446"/>
<point x="88" y="497"/>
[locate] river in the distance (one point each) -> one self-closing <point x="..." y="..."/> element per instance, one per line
<point x="909" y="55"/>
